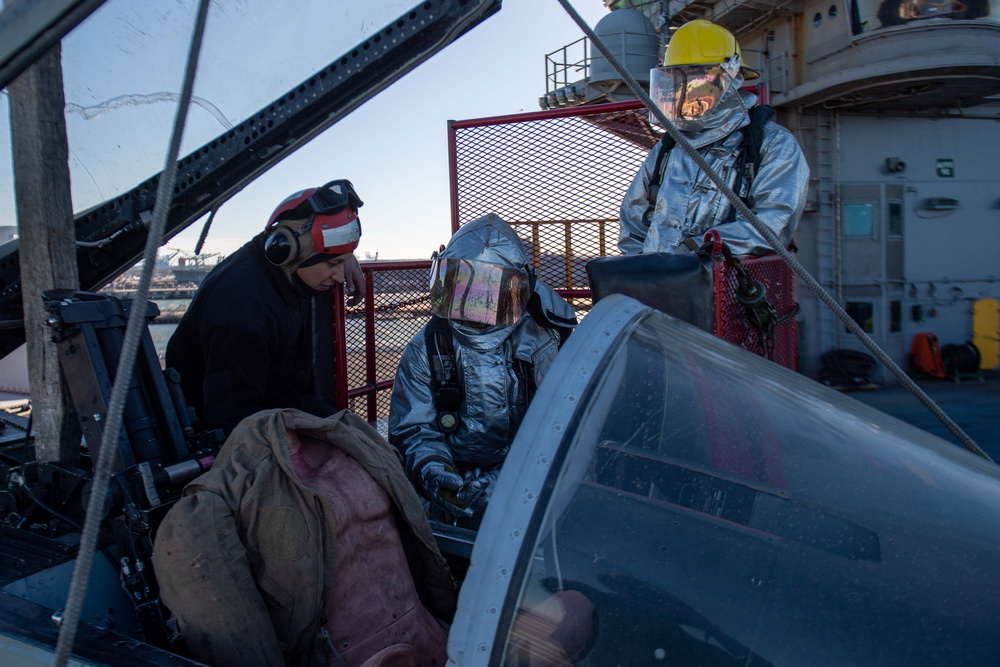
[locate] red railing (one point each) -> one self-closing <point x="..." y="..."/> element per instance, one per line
<point x="369" y="338"/>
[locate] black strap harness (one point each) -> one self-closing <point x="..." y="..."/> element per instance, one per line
<point x="746" y="166"/>
<point x="446" y="386"/>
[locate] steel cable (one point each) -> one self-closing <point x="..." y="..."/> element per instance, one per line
<point x="772" y="239"/>
<point x="134" y="330"/>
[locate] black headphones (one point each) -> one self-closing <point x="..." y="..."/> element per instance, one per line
<point x="282" y="245"/>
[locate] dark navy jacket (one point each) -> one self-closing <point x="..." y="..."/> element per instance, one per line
<point x="245" y="343"/>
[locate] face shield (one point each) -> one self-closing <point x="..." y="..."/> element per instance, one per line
<point x="690" y="92"/>
<point x="478" y="292"/>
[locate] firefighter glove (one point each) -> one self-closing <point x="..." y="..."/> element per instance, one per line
<point x="441" y="483"/>
<point x="478" y="489"/>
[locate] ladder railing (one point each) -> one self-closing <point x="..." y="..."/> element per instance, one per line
<point x="828" y="236"/>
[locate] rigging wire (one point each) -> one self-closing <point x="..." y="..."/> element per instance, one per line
<point x="204" y="230"/>
<point x="134" y="329"/>
<point x="772" y="239"/>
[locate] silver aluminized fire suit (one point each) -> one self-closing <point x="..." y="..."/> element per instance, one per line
<point x="498" y="369"/>
<point x="689" y="204"/>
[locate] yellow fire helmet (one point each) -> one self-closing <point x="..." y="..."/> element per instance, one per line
<point x="702" y="42"/>
<point x="702" y="64"/>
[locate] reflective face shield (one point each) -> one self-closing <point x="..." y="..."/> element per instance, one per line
<point x="478" y="292"/>
<point x="688" y="92"/>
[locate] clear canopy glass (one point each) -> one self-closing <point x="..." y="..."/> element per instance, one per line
<point x="672" y="497"/>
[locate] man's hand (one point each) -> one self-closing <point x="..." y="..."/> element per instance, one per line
<point x="355" y="279"/>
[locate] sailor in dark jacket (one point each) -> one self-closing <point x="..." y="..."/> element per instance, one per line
<point x="245" y="343"/>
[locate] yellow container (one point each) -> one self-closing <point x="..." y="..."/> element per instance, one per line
<point x="986" y="332"/>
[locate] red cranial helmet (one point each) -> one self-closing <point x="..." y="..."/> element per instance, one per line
<point x="329" y="214"/>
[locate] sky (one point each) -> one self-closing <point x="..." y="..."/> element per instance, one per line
<point x="394" y="147"/>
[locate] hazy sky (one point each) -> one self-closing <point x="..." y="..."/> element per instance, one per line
<point x="122" y="69"/>
<point x="393" y="148"/>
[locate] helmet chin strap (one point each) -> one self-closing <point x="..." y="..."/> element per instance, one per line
<point x="299" y="285"/>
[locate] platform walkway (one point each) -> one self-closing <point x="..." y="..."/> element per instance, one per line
<point x="972" y="404"/>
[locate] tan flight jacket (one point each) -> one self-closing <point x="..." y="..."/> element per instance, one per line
<point x="242" y="557"/>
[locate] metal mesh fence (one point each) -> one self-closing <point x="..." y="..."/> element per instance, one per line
<point x="557" y="177"/>
<point x="378" y="331"/>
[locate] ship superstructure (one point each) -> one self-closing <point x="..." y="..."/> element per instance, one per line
<point x="896" y="105"/>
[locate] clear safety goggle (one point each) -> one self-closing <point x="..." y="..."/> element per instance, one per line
<point x="688" y="92"/>
<point x="478" y="292"/>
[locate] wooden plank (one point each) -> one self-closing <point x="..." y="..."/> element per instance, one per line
<point x="47" y="244"/>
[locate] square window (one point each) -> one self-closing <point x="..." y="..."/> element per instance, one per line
<point x="862" y="312"/>
<point x="857" y="220"/>
<point x="895" y="218"/>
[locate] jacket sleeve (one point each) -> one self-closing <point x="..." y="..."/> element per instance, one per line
<point x="205" y="580"/>
<point x="412" y="415"/>
<point x="634" y="205"/>
<point x="779" y="195"/>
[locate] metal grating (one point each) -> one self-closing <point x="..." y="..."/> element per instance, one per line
<point x="730" y="317"/>
<point x="557" y="177"/>
<point x="377" y="332"/>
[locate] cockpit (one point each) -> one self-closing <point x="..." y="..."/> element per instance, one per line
<point x="678" y="499"/>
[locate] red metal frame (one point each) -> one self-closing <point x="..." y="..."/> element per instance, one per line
<point x="730" y="319"/>
<point x="339" y="349"/>
<point x="359" y="379"/>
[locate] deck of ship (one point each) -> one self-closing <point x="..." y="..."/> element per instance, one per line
<point x="972" y="404"/>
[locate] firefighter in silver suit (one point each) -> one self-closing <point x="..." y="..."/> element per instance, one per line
<point x="504" y="328"/>
<point x="699" y="90"/>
